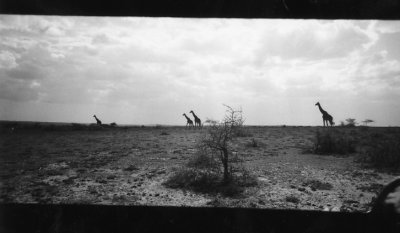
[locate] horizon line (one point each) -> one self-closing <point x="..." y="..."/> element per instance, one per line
<point x="181" y="125"/>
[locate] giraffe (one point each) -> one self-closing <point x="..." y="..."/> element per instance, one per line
<point x="197" y="121"/>
<point x="326" y="118"/>
<point x="189" y="121"/>
<point x="97" y="120"/>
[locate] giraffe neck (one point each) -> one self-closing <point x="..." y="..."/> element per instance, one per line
<point x="321" y="110"/>
<point x="194" y="115"/>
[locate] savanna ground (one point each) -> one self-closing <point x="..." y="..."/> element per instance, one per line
<point x="129" y="166"/>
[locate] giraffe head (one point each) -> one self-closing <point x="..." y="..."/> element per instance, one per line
<point x="317" y="103"/>
<point x="191" y="111"/>
<point x="94" y="115"/>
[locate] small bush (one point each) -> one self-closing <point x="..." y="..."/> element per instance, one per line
<point x="215" y="167"/>
<point x="203" y="174"/>
<point x="382" y="152"/>
<point x="245" y="179"/>
<point x="164" y="133"/>
<point x="252" y="143"/>
<point x="202" y="160"/>
<point x="195" y="179"/>
<point x="332" y="142"/>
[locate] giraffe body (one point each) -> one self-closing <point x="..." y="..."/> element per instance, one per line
<point x="197" y="121"/>
<point x="327" y="119"/>
<point x="97" y="120"/>
<point x="189" y="121"/>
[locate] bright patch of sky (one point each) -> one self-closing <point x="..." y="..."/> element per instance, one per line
<point x="152" y="70"/>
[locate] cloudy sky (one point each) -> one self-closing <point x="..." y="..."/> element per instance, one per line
<point x="152" y="70"/>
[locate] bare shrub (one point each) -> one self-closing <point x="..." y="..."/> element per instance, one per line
<point x="219" y="138"/>
<point x="215" y="168"/>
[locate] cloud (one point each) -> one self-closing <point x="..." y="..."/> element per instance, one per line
<point x="18" y="90"/>
<point x="7" y="60"/>
<point x="101" y="39"/>
<point x="311" y="40"/>
<point x="148" y="66"/>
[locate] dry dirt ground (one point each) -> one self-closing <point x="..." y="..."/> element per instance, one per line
<point x="127" y="166"/>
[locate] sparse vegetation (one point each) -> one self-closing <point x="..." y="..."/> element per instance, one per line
<point x="214" y="169"/>
<point x="253" y="143"/>
<point x="140" y="158"/>
<point x="219" y="138"/>
<point x="201" y="180"/>
<point x="382" y="151"/>
<point x="367" y="121"/>
<point x="351" y="122"/>
<point x="333" y="142"/>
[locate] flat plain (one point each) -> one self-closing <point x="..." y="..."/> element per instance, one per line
<point x="128" y="166"/>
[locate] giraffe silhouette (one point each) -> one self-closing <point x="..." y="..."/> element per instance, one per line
<point x="197" y="121"/>
<point x="326" y="118"/>
<point x="97" y="120"/>
<point x="189" y="121"/>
